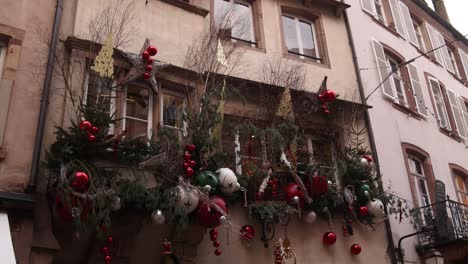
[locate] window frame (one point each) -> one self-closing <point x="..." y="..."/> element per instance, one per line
<point x="382" y="19"/>
<point x="396" y="74"/>
<point x="3" y="51"/>
<point x="297" y="19"/>
<point x="417" y="181"/>
<point x="444" y="103"/>
<point x="418" y="29"/>
<point x="458" y="171"/>
<point x="149" y="128"/>
<point x="254" y="43"/>
<point x="163" y="92"/>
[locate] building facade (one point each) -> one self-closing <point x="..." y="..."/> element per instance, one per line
<point x="413" y="66"/>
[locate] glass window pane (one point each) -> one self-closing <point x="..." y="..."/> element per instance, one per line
<point x="172" y="110"/>
<point x="136" y="128"/>
<point x="308" y="44"/>
<point x="290" y="34"/>
<point x="223" y="15"/>
<point x="98" y="92"/>
<point x="242" y="25"/>
<point x="137" y="102"/>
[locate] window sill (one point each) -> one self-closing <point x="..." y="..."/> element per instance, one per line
<point x="407" y="111"/>
<point x="306" y="60"/>
<point x="246" y="45"/>
<point x="450" y="134"/>
<point x="188" y="7"/>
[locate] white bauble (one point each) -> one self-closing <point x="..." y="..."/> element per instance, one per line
<point x="158" y="218"/>
<point x="376" y="208"/>
<point x="310" y="217"/>
<point x="187" y="200"/>
<point x="364" y="162"/>
<point x="115" y="205"/>
<point x="228" y="180"/>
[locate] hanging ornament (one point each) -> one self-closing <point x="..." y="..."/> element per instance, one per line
<point x="158" y="218"/>
<point x="146" y="75"/>
<point x="356" y="249"/>
<point x="278" y="254"/>
<point x="110" y="240"/>
<point x="217" y="252"/>
<point x="214" y="234"/>
<point x="193" y="163"/>
<point x="294" y="195"/>
<point x="152" y="50"/>
<point x="347" y="229"/>
<point x="107" y="259"/>
<point x="105" y="250"/>
<point x="189" y="172"/>
<point x="368" y="158"/>
<point x="149" y="68"/>
<point x="85" y="125"/>
<point x="365" y="187"/>
<point x="376" y="208"/>
<point x="310" y="217"/>
<point x="187" y="200"/>
<point x="149" y="61"/>
<point x="80" y="182"/>
<point x="187" y="156"/>
<point x="363" y="211"/>
<point x="227" y="180"/>
<point x="115" y="206"/>
<point x="205" y="178"/>
<point x="318" y="186"/>
<point x="191" y="147"/>
<point x="186" y="165"/>
<point x="364" y="163"/>
<point x="329" y="238"/>
<point x="366" y="193"/>
<point x="145" y="55"/>
<point x="94" y="130"/>
<point x="216" y="244"/>
<point x="209" y="216"/>
<point x="91" y="138"/>
<point x="247" y="232"/>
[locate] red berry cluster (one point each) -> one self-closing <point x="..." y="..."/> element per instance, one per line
<point x="277" y="254"/>
<point x="92" y="130"/>
<point x="189" y="164"/>
<point x="325" y="97"/>
<point x="214" y="238"/>
<point x="146" y="56"/>
<point x="273" y="184"/>
<point x="368" y="158"/>
<point x="106" y="250"/>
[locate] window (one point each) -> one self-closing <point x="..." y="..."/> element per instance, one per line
<point x="300" y="37"/>
<point x="419" y="35"/>
<point x="3" y="49"/>
<point x="99" y="92"/>
<point x="396" y="80"/>
<point x="235" y="20"/>
<point x="172" y="109"/>
<point x="461" y="188"/>
<point x="453" y="61"/>
<point x="137" y="112"/>
<point x="439" y="103"/>
<point x="417" y="171"/>
<point x="379" y="11"/>
<point x="464" y="60"/>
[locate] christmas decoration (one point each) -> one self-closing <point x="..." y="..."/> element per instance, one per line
<point x="363" y="211"/>
<point x="347" y="229"/>
<point x="104" y="62"/>
<point x="318" y="186"/>
<point x="227" y="180"/>
<point x="217" y="252"/>
<point x="187" y="200"/>
<point x="206" y="178"/>
<point x="91" y="138"/>
<point x="209" y="214"/>
<point x="285" y="109"/>
<point x="81" y="181"/>
<point x="152" y="50"/>
<point x="191" y="147"/>
<point x="355" y="249"/>
<point x="146" y="75"/>
<point x="158" y="218"/>
<point x="94" y="130"/>
<point x="329" y="238"/>
<point x="376" y="208"/>
<point x="85" y="125"/>
<point x="294" y="195"/>
<point x="368" y="158"/>
<point x="115" y="206"/>
<point x="110" y="240"/>
<point x="247" y="232"/>
<point x="107" y="259"/>
<point x="149" y="68"/>
<point x="364" y="162"/>
<point x="310" y="217"/>
<point x="187" y="156"/>
<point x="145" y="55"/>
<point x="278" y="254"/>
<point x="189" y="172"/>
<point x="105" y="250"/>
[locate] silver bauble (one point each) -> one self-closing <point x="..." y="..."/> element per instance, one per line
<point x="310" y="217"/>
<point x="158" y="218"/>
<point x="115" y="206"/>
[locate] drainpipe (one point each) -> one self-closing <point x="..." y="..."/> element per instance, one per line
<point x="45" y="99"/>
<point x="388" y="229"/>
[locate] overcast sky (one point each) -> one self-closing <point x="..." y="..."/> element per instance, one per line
<point x="458" y="13"/>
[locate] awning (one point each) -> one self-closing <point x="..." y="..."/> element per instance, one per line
<point x="6" y="246"/>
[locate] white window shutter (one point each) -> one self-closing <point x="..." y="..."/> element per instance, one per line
<point x="435" y="43"/>
<point x="367" y="6"/>
<point x="464" y="112"/>
<point x="394" y="6"/>
<point x="383" y="69"/>
<point x="464" y="59"/>
<point x="405" y="13"/>
<point x="439" y="104"/>
<point x="445" y="53"/>
<point x="457" y="114"/>
<point x="417" y="90"/>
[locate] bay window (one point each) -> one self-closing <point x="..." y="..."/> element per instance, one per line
<point x="172" y="108"/>
<point x="300" y="37"/>
<point x="137" y="112"/>
<point x="235" y="20"/>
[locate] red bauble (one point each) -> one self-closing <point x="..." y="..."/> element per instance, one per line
<point x="86" y="125"/>
<point x="247" y="232"/>
<point x="216" y="244"/>
<point x="217" y="252"/>
<point x="152" y="50"/>
<point x="149" y="61"/>
<point x="94" y="130"/>
<point x="368" y="158"/>
<point x="329" y="238"/>
<point x="214" y="238"/>
<point x="107" y="259"/>
<point x="191" y="147"/>
<point x="187" y="156"/>
<point x="146" y="75"/>
<point x="91" y="138"/>
<point x="330" y="95"/>
<point x="321" y="97"/>
<point x="208" y="216"/>
<point x="145" y="55"/>
<point x="363" y="211"/>
<point x="186" y="165"/>
<point x="356" y="249"/>
<point x="105" y="250"/>
<point x="149" y="67"/>
<point x="81" y="181"/>
<point x="293" y="190"/>
<point x="214" y="232"/>
<point x="110" y="240"/>
<point x="193" y="163"/>
<point x="189" y="172"/>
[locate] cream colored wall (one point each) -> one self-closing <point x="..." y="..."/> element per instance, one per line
<point x="25" y="66"/>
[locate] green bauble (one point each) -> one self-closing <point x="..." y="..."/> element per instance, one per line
<point x="365" y="187"/>
<point x="205" y="178"/>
